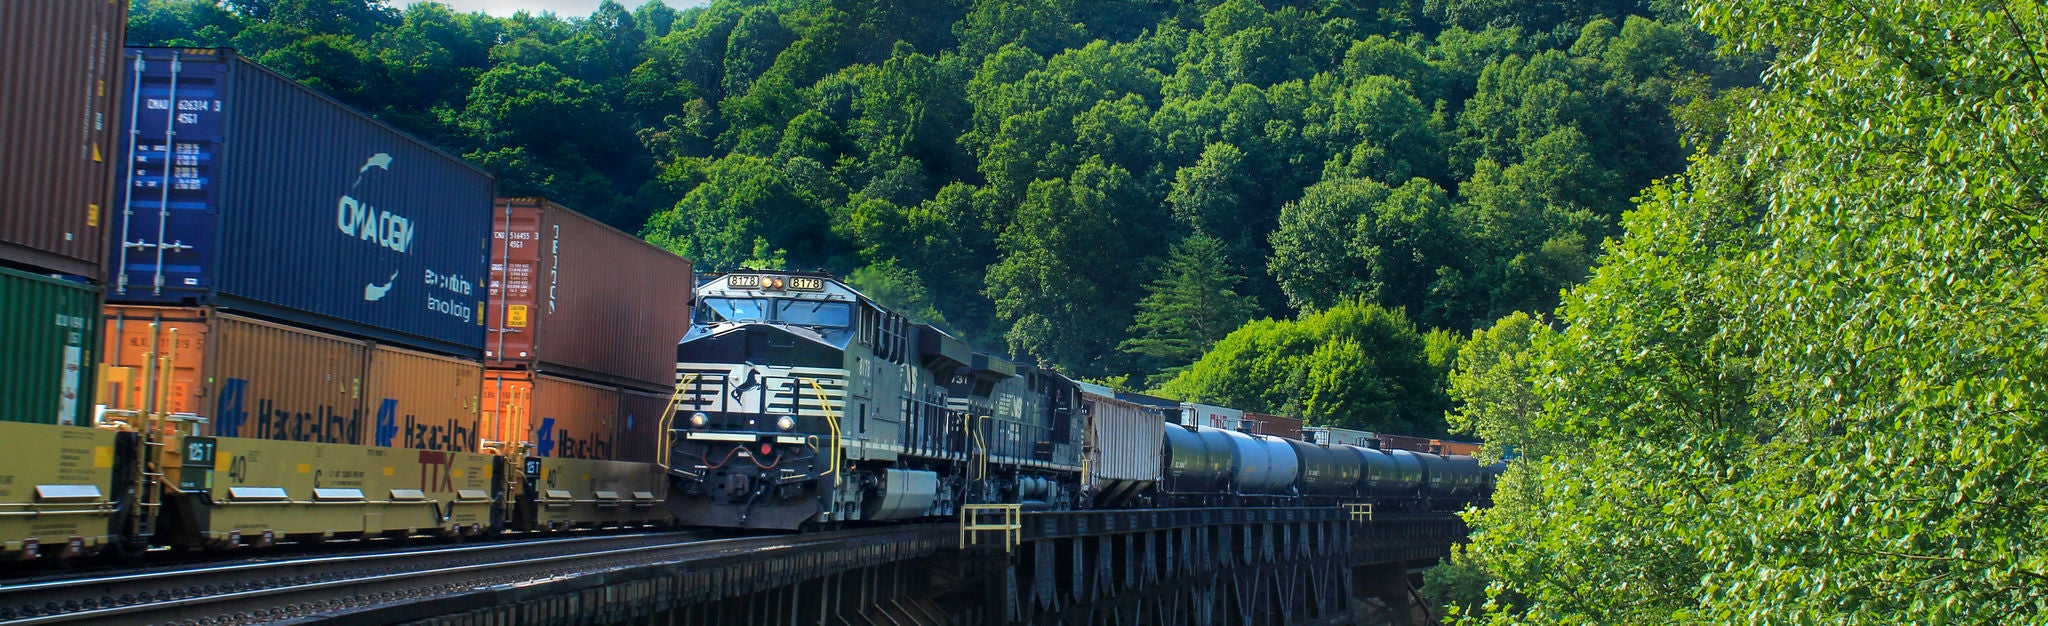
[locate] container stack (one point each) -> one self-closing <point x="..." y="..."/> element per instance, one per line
<point x="581" y="355"/>
<point x="57" y="102"/>
<point x="315" y="275"/>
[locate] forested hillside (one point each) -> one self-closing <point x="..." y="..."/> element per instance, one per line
<point x="1109" y="188"/>
<point x="1806" y="386"/>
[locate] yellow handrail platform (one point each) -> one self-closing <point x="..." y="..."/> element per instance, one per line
<point x="1006" y="521"/>
<point x="1360" y="511"/>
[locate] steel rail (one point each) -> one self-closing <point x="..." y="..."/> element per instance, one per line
<point x="129" y="597"/>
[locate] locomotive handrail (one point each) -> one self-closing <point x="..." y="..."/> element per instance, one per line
<point x="831" y="419"/>
<point x="668" y="420"/>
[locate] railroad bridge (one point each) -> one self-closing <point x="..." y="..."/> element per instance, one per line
<point x="1236" y="566"/>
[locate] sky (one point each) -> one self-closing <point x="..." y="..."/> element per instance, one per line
<point x="562" y="8"/>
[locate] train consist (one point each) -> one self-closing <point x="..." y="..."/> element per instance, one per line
<point x="803" y="403"/>
<point x="235" y="312"/>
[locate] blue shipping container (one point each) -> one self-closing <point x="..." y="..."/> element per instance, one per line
<point x="244" y="190"/>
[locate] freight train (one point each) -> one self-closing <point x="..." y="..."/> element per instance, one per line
<point x="235" y="312"/>
<point x="802" y="403"/>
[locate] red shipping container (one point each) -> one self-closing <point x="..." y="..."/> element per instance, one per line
<point x="58" y="114"/>
<point x="573" y="297"/>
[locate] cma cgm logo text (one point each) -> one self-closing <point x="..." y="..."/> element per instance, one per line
<point x="358" y="219"/>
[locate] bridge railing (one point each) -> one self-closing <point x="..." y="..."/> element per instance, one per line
<point x="1004" y="521"/>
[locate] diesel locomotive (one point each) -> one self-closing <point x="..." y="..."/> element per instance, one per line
<point x="801" y="403"/>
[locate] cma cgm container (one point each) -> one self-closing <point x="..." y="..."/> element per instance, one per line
<point x="263" y="380"/>
<point x="571" y="296"/>
<point x="49" y="334"/>
<point x="57" y="123"/>
<point x="549" y="416"/>
<point x="244" y="190"/>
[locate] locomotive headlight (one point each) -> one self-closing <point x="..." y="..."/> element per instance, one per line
<point x="699" y="419"/>
<point x="785" y="422"/>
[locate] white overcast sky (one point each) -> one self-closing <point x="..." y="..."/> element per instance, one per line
<point x="562" y="8"/>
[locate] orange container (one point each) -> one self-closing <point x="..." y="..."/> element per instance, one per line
<point x="423" y="401"/>
<point x="551" y="416"/>
<point x="248" y="378"/>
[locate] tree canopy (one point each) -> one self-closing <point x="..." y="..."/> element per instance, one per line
<point x="1027" y="170"/>
<point x="1805" y="385"/>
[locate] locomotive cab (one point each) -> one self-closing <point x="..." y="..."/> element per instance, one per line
<point x="763" y="378"/>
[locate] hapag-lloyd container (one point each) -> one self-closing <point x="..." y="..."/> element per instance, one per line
<point x="245" y="190"/>
<point x="263" y="380"/>
<point x="49" y="335"/>
<point x="572" y="296"/>
<point x="246" y="377"/>
<point x="58" y="116"/>
<point x="640" y="431"/>
<point x="423" y="401"/>
<point x="550" y="416"/>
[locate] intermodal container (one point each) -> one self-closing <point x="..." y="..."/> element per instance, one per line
<point x="1276" y="425"/>
<point x="58" y="116"/>
<point x="49" y="336"/>
<point x="246" y="377"/>
<point x="1404" y="442"/>
<point x="423" y="401"/>
<point x="1332" y="435"/>
<point x="244" y="190"/>
<point x="550" y="416"/>
<point x="572" y="296"/>
<point x="1208" y="416"/>
<point x="640" y="431"/>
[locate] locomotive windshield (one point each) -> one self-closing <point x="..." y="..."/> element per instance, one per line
<point x="817" y="313"/>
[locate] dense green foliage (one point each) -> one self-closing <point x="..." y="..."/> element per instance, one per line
<point x="1806" y="386"/>
<point x="1027" y="170"/>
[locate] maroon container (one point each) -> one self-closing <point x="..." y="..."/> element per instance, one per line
<point x="1268" y="424"/>
<point x="57" y="114"/>
<point x="572" y="297"/>
<point x="1404" y="442"/>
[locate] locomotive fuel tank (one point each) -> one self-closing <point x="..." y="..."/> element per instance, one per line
<point x="1326" y="471"/>
<point x="1266" y="465"/>
<point x="1198" y="460"/>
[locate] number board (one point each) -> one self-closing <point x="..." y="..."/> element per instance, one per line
<point x="743" y="281"/>
<point x="806" y="283"/>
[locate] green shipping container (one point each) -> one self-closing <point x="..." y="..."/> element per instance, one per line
<point x="49" y="343"/>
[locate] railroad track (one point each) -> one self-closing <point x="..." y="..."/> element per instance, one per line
<point x="299" y="587"/>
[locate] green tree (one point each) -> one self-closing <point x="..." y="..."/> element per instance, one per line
<point x="1062" y="263"/>
<point x="1804" y="386"/>
<point x="1192" y="304"/>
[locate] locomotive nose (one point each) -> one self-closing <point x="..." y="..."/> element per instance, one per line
<point x="737" y="487"/>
